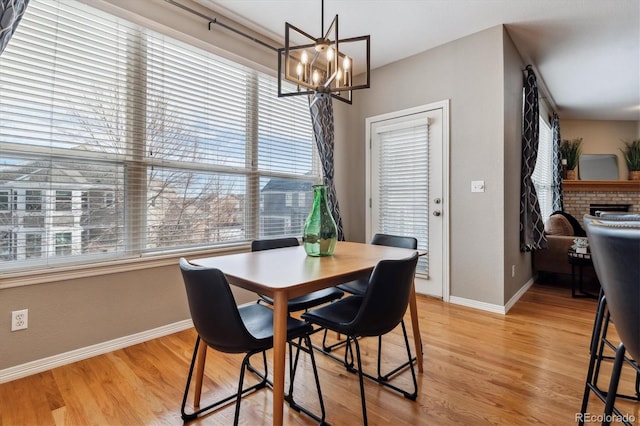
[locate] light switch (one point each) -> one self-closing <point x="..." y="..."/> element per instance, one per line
<point x="477" y="186"/>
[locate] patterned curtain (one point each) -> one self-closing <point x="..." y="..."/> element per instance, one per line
<point x="531" y="225"/>
<point x="322" y="119"/>
<point x="556" y="189"/>
<point x="10" y="14"/>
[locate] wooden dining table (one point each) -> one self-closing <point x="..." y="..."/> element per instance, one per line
<point x="285" y="273"/>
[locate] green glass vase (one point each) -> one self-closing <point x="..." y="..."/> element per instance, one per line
<point x="320" y="230"/>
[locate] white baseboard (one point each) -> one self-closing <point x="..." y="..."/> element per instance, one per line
<point x="518" y="295"/>
<point x="44" y="364"/>
<point x="490" y="307"/>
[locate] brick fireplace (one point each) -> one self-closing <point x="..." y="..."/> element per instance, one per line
<point x="579" y="195"/>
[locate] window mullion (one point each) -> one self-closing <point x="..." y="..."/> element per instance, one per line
<point x="135" y="144"/>
<point x="252" y="203"/>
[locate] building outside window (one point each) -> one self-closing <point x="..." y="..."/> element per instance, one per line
<point x="33" y="201"/>
<point x="33" y="246"/>
<point x="63" y="244"/>
<point x="5" y="200"/>
<point x="63" y="201"/>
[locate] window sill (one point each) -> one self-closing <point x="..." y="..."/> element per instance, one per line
<point x="71" y="272"/>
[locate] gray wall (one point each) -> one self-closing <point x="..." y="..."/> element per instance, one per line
<point x="75" y="313"/>
<point x="602" y="137"/>
<point x="513" y="77"/>
<point x="471" y="73"/>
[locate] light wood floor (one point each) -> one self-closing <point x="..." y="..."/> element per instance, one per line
<point x="525" y="368"/>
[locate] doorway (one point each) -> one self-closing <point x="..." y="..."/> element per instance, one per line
<point x="407" y="186"/>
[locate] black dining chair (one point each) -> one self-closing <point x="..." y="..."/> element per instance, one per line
<point x="228" y="328"/>
<point x="359" y="288"/>
<point x="375" y="313"/>
<point x="615" y="251"/>
<point x="306" y="301"/>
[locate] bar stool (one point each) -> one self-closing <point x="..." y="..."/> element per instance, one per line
<point x="615" y="248"/>
<point x="600" y="343"/>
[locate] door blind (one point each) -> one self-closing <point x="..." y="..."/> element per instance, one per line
<point x="404" y="184"/>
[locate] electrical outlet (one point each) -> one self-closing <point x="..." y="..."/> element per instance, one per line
<point x="19" y="320"/>
<point x="513" y="271"/>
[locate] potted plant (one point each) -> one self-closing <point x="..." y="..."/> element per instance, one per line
<point x="570" y="154"/>
<point x="631" y="154"/>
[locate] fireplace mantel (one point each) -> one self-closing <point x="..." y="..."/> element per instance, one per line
<point x="601" y="185"/>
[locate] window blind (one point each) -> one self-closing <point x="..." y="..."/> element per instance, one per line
<point x="404" y="184"/>
<point x="542" y="176"/>
<point x="117" y="140"/>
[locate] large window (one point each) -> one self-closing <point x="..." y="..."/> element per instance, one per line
<point x="118" y="141"/>
<point x="542" y="176"/>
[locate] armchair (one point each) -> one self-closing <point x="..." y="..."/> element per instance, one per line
<point x="560" y="229"/>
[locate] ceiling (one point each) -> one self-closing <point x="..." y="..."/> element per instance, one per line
<point x="585" y="52"/>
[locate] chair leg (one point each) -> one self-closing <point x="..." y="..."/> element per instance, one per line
<point x="188" y="416"/>
<point x="261" y="375"/>
<point x="317" y="379"/>
<point x="613" y="385"/>
<point x="361" y="380"/>
<point x="380" y="377"/>
<point x="413" y="395"/>
<point x="410" y="395"/>
<point x="596" y="350"/>
<point x="348" y="360"/>
<point x="293" y="368"/>
<point x="237" y="396"/>
<point x="385" y="377"/>
<point x="594" y="359"/>
<point x="329" y="347"/>
<point x="236" y="416"/>
<point x="602" y="342"/>
<point x="200" y="362"/>
<point x="326" y="349"/>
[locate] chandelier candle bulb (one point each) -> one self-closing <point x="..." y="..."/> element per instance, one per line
<point x="346" y="63"/>
<point x="303" y="60"/>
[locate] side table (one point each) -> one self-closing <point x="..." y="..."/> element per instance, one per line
<point x="579" y="260"/>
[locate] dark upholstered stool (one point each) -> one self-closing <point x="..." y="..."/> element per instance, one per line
<point x="615" y="249"/>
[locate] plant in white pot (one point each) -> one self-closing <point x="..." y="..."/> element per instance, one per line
<point x="631" y="154"/>
<point x="570" y="154"/>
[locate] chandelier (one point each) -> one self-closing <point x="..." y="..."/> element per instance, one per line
<point x="325" y="66"/>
